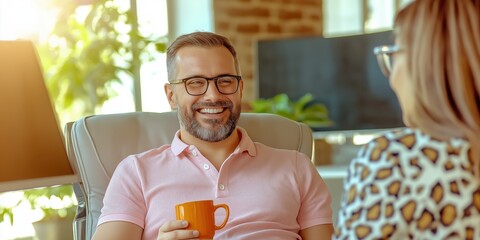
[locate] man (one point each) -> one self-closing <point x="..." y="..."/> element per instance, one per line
<point x="272" y="193"/>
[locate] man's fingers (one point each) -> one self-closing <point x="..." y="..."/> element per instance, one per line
<point x="173" y="225"/>
<point x="178" y="234"/>
<point x="175" y="230"/>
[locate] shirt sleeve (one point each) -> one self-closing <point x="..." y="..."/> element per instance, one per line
<point x="315" y="206"/>
<point x="124" y="199"/>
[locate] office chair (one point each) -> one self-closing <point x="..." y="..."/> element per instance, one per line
<point x="96" y="144"/>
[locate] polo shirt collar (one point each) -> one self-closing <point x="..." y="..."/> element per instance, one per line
<point x="246" y="144"/>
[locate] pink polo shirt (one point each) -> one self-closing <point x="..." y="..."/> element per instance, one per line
<point x="272" y="193"/>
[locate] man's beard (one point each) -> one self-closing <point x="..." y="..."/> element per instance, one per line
<point x="218" y="130"/>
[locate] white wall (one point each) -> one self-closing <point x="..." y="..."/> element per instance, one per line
<point x="185" y="16"/>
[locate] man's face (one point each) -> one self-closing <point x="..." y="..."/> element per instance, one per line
<point x="212" y="116"/>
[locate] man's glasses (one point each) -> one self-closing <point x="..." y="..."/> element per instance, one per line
<point x="385" y="57"/>
<point x="196" y="86"/>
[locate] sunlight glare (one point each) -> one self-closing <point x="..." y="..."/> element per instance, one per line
<point x="22" y="19"/>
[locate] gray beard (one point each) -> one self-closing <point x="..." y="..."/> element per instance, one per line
<point x="219" y="131"/>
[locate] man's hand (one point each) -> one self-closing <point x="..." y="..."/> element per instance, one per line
<point x="175" y="229"/>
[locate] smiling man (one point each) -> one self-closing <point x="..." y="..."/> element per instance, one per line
<point x="272" y="193"/>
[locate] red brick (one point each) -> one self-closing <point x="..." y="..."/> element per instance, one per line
<point x="303" y="2"/>
<point x="249" y="12"/>
<point x="302" y="30"/>
<point x="274" y="28"/>
<point x="246" y="21"/>
<point x="315" y="17"/>
<point x="289" y="15"/>
<point x="248" y="28"/>
<point x="308" y="2"/>
<point x="222" y="26"/>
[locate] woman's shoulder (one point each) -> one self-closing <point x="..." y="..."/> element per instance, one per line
<point x="417" y="177"/>
<point x="412" y="146"/>
<point x="415" y="140"/>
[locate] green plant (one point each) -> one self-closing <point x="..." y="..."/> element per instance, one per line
<point x="315" y="115"/>
<point x="6" y="212"/>
<point x="57" y="202"/>
<point x="82" y="58"/>
<point x="87" y="54"/>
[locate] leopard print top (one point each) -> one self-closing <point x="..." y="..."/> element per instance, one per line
<point x="407" y="185"/>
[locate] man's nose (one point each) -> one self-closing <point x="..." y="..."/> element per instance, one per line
<point x="212" y="91"/>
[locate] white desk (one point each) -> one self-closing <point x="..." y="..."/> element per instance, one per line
<point x="333" y="171"/>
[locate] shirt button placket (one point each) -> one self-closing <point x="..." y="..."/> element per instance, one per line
<point x="206" y="166"/>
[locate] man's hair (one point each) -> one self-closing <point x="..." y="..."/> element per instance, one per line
<point x="197" y="39"/>
<point x="441" y="40"/>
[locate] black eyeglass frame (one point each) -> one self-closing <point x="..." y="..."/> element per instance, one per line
<point x="383" y="54"/>
<point x="184" y="81"/>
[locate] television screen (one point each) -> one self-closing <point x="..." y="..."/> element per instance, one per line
<point x="341" y="72"/>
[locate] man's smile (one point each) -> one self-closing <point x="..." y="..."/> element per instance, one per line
<point x="211" y="110"/>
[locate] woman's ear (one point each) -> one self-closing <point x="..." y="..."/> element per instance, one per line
<point x="169" y="92"/>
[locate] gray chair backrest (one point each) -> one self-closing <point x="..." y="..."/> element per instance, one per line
<point x="96" y="144"/>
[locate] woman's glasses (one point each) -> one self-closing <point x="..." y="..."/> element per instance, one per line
<point x="385" y="57"/>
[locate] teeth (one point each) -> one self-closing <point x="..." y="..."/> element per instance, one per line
<point x="211" y="110"/>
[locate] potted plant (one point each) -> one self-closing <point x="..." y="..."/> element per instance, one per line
<point x="6" y="212"/>
<point x="304" y="110"/>
<point x="82" y="59"/>
<point x="57" y="206"/>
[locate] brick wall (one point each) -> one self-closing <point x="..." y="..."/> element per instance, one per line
<point x="247" y="21"/>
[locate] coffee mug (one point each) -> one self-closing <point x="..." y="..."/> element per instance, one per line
<point x="201" y="216"/>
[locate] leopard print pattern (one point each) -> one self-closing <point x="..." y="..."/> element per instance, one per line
<point x="407" y="185"/>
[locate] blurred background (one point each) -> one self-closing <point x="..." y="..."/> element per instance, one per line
<point x="108" y="56"/>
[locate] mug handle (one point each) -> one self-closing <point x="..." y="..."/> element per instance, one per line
<point x="227" y="210"/>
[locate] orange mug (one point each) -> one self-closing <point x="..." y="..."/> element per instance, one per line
<point x="201" y="216"/>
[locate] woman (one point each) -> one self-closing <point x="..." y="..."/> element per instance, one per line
<point x="423" y="182"/>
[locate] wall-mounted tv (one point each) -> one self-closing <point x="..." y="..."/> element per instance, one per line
<point x="340" y="72"/>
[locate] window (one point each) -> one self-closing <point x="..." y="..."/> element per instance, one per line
<point x="350" y="17"/>
<point x="22" y="19"/>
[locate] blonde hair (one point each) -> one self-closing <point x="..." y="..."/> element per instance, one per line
<point x="442" y="43"/>
<point x="198" y="39"/>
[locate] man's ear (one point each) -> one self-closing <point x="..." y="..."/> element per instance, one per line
<point x="241" y="88"/>
<point x="170" y="95"/>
